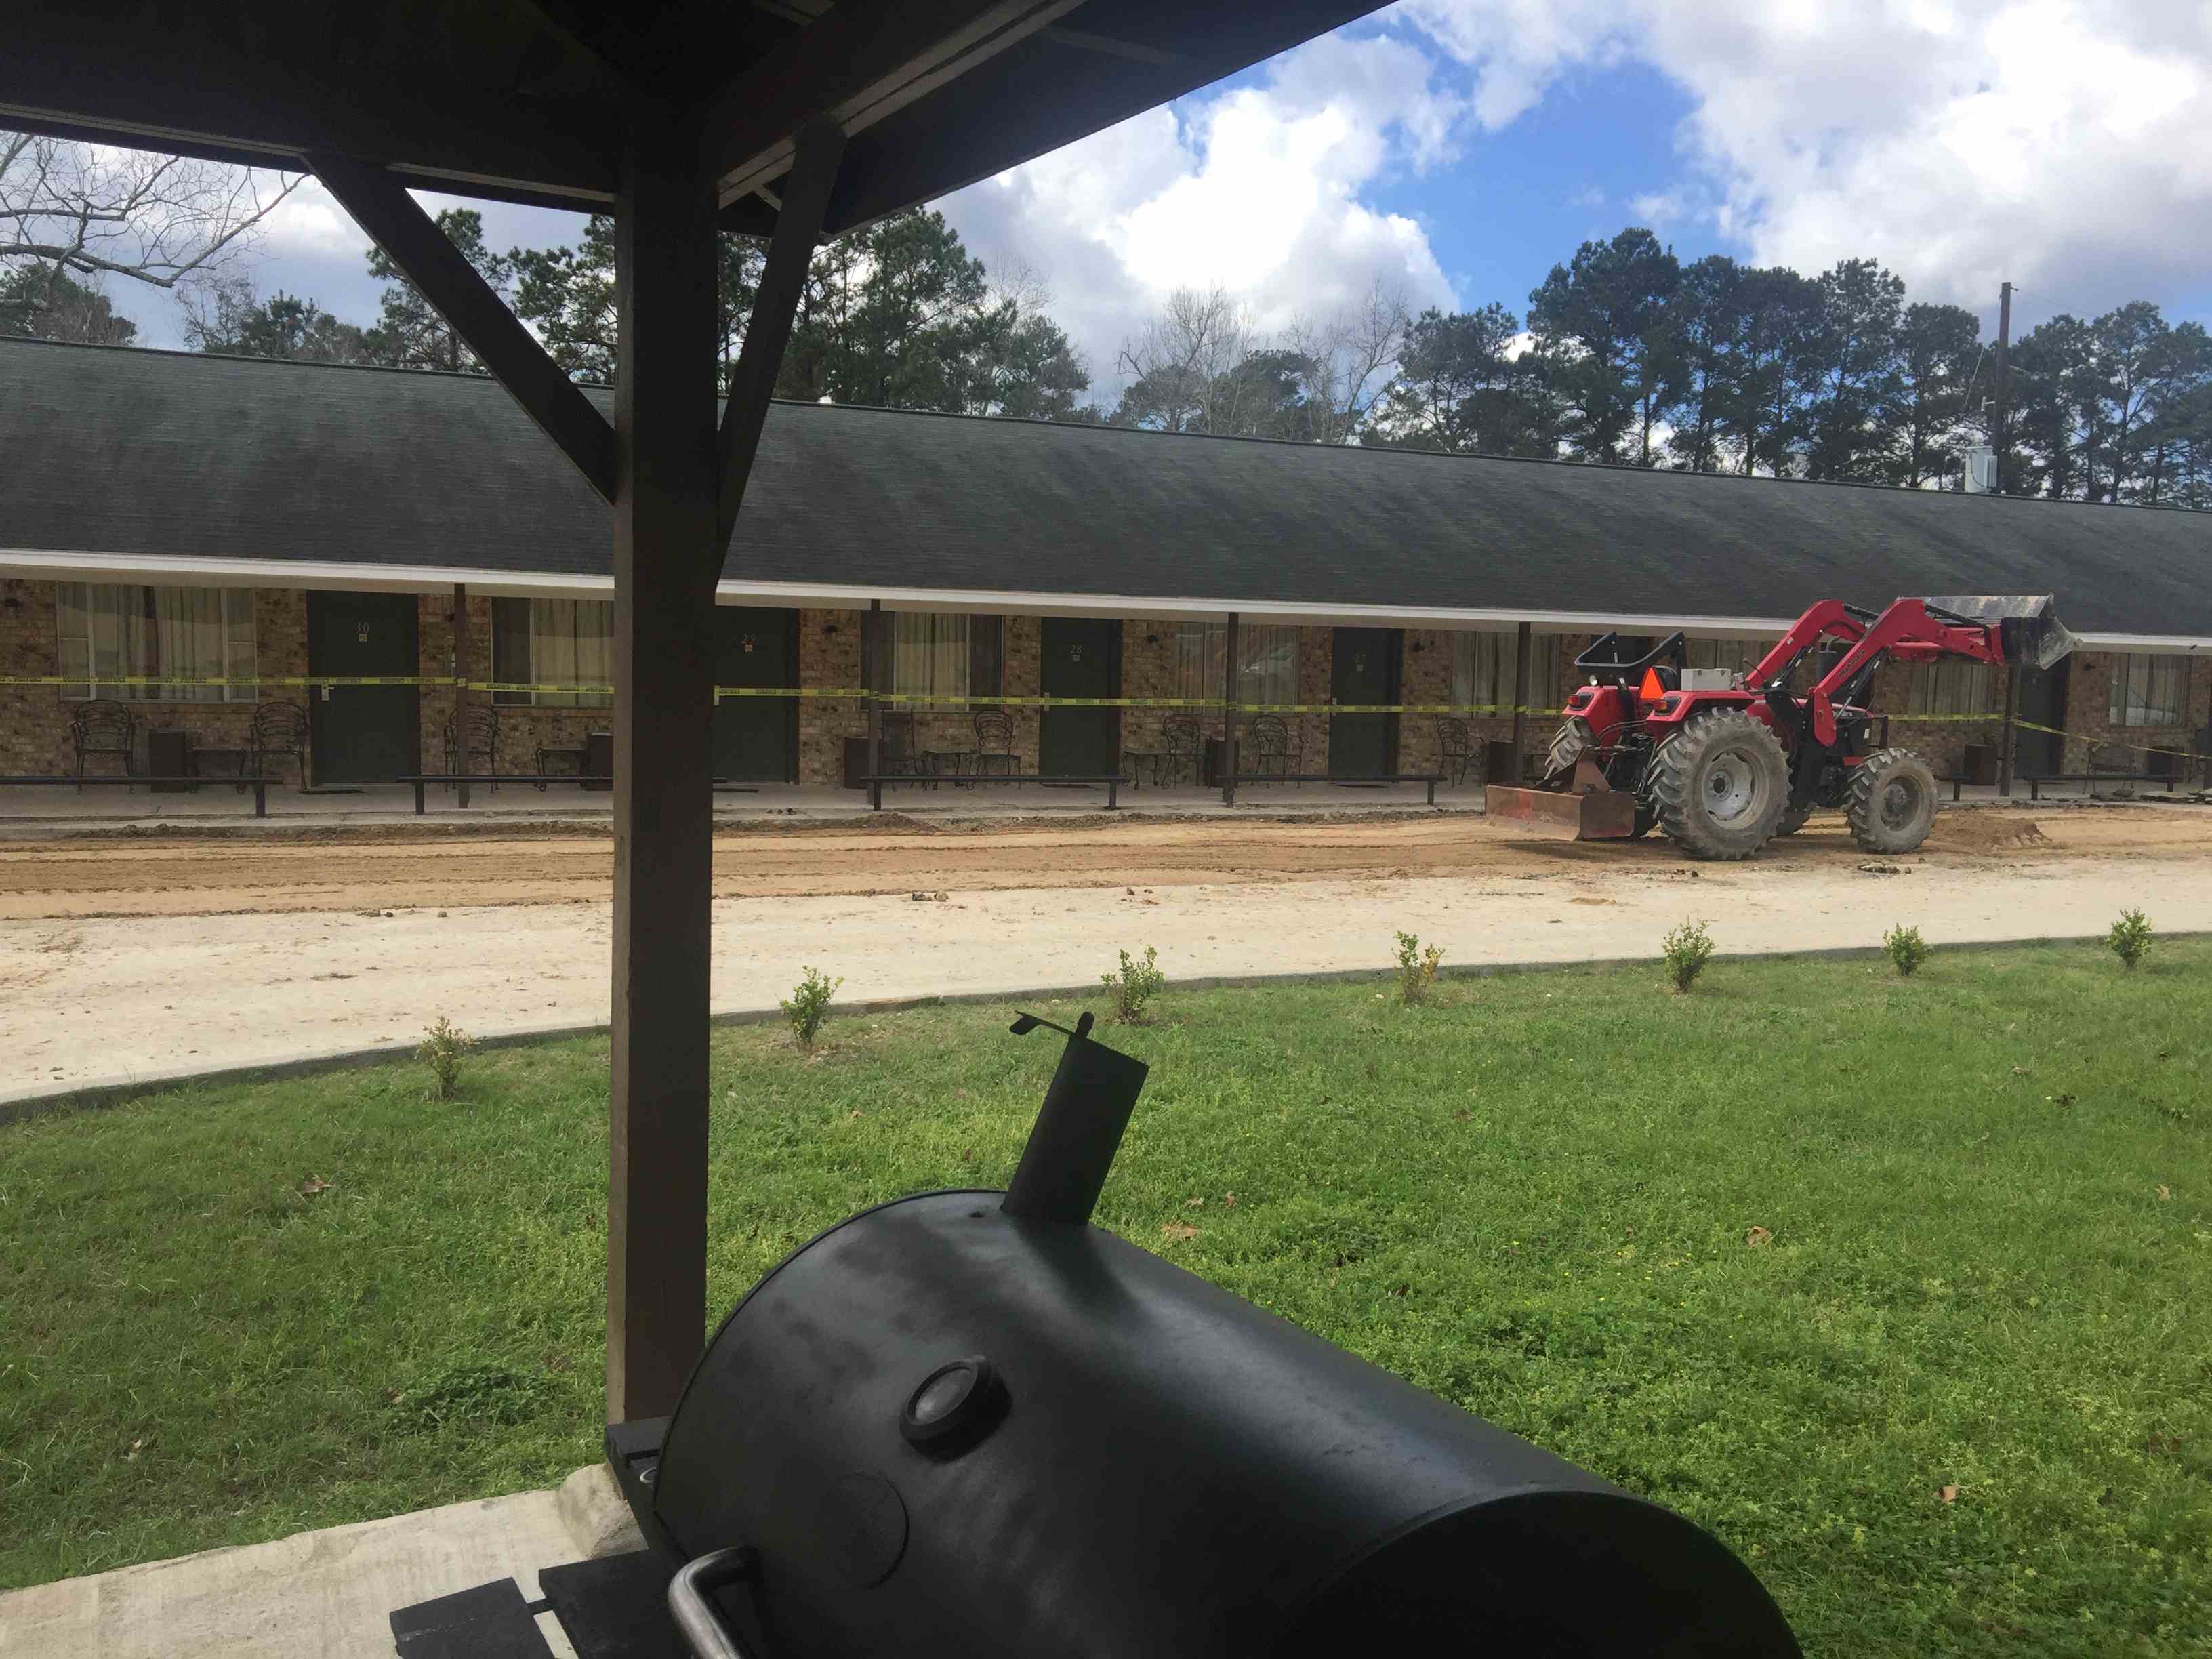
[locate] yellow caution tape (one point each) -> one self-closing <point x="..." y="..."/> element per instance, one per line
<point x="2115" y="743"/>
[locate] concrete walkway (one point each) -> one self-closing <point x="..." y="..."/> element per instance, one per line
<point x="92" y="1003"/>
<point x="327" y="1594"/>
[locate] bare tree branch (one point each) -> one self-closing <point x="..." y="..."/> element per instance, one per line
<point x="97" y="211"/>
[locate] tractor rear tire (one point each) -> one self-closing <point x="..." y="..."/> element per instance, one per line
<point x="1793" y="820"/>
<point x="1570" y="743"/>
<point x="1892" y="802"/>
<point x="1720" y="785"/>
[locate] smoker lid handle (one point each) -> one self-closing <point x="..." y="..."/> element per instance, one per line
<point x="701" y="1626"/>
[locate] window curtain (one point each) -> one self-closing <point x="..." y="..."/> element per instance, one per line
<point x="553" y="642"/>
<point x="1482" y="669"/>
<point x="572" y="643"/>
<point x="1267" y="668"/>
<point x="2150" y="691"/>
<point x="112" y="632"/>
<point x="1951" y="687"/>
<point x="929" y="653"/>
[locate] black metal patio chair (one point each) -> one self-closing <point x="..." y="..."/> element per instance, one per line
<point x="279" y="730"/>
<point x="994" y="742"/>
<point x="1453" y="747"/>
<point x="107" y="728"/>
<point x="1182" y="738"/>
<point x="1266" y="750"/>
<point x="899" y="759"/>
<point x="474" y="734"/>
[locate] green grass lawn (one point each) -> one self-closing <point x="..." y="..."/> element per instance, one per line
<point x="1794" y="1254"/>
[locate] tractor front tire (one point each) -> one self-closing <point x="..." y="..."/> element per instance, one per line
<point x="1720" y="785"/>
<point x="1892" y="802"/>
<point x="1793" y="820"/>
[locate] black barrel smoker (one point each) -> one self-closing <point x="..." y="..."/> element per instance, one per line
<point x="971" y="1425"/>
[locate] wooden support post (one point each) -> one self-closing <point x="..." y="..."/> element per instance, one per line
<point x="873" y="656"/>
<point x="456" y="666"/>
<point x="1521" y="641"/>
<point x="2007" y="744"/>
<point x="1229" y="717"/>
<point x="666" y="564"/>
<point x="679" y="481"/>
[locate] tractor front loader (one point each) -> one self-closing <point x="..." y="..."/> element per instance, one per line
<point x="1723" y="764"/>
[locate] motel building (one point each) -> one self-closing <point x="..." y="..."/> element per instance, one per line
<point x="283" y="529"/>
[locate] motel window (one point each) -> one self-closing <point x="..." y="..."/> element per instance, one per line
<point x="1950" y="687"/>
<point x="1482" y="670"/>
<point x="557" y="643"/>
<point x="113" y="633"/>
<point x="938" y="654"/>
<point x="2150" y="690"/>
<point x="1267" y="668"/>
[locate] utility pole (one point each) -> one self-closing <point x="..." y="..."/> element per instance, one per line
<point x="2001" y="437"/>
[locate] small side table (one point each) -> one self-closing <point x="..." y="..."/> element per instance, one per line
<point x="1157" y="757"/>
<point x="578" y="758"/>
<point x="219" y="763"/>
<point x="943" y="762"/>
<point x="600" y="759"/>
<point x="170" y="755"/>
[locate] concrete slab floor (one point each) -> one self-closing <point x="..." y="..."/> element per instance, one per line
<point x="328" y="1593"/>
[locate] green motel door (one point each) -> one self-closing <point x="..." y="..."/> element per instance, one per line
<point x="363" y="733"/>
<point x="1080" y="657"/>
<point x="1364" y="672"/>
<point x="756" y="739"/>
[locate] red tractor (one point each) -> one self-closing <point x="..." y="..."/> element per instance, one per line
<point x="1724" y="763"/>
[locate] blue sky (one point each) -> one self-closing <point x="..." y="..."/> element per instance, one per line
<point x="1452" y="151"/>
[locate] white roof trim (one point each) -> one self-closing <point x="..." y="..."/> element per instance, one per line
<point x="2160" y="644"/>
<point x="44" y="564"/>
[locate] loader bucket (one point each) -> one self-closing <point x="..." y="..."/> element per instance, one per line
<point x="1601" y="815"/>
<point x="2028" y="623"/>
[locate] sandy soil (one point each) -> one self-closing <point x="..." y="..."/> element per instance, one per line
<point x="287" y="949"/>
<point x="183" y="873"/>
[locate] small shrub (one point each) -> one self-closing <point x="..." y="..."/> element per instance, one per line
<point x="1906" y="949"/>
<point x="443" y="1045"/>
<point x="1417" y="968"/>
<point x="1136" y="984"/>
<point x="808" y="1005"/>
<point x="1688" y="948"/>
<point x="2130" y="937"/>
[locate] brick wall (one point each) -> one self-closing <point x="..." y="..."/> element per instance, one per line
<point x="524" y="729"/>
<point x="34" y="719"/>
<point x="827" y="659"/>
<point x="2089" y="711"/>
<point x="829" y="655"/>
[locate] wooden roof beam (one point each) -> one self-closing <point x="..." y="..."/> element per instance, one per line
<point x="863" y="60"/>
<point x="75" y="73"/>
<point x="799" y="227"/>
<point x="380" y="205"/>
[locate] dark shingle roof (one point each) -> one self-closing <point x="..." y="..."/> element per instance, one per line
<point x="147" y="453"/>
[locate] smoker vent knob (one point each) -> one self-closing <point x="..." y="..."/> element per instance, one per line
<point x="955" y="1405"/>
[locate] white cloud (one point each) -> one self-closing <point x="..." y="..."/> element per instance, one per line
<point x="1257" y="190"/>
<point x="2066" y="143"/>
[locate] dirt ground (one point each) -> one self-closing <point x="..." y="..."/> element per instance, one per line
<point x="176" y="873"/>
<point x="131" y="957"/>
